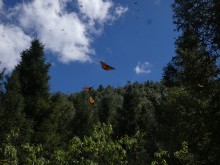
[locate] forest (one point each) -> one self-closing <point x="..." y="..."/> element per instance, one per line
<point x="175" y="121"/>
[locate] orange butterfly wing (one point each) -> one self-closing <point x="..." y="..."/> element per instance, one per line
<point x="91" y="100"/>
<point x="106" y="67"/>
<point x="87" y="89"/>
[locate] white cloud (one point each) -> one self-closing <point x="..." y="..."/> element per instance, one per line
<point x="96" y="10"/>
<point x="62" y="32"/>
<point x="143" y="68"/>
<point x="65" y="33"/>
<point x="12" y="42"/>
<point x="119" y="10"/>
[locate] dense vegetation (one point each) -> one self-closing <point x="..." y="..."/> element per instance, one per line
<point x="174" y="121"/>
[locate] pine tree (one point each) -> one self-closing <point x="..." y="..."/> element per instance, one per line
<point x="202" y="18"/>
<point x="56" y="129"/>
<point x="14" y="116"/>
<point x="33" y="77"/>
<point x="196" y="49"/>
<point x="85" y="114"/>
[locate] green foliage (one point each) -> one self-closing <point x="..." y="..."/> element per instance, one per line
<point x="33" y="77"/>
<point x="198" y="45"/>
<point x="2" y="75"/>
<point x="33" y="154"/>
<point x="55" y="131"/>
<point x="59" y="157"/>
<point x="184" y="117"/>
<point x="160" y="158"/>
<point x="8" y="152"/>
<point x="189" y="112"/>
<point x="183" y="155"/>
<point x="137" y="113"/>
<point x="15" y="117"/>
<point x="191" y="66"/>
<point x="99" y="148"/>
<point x="108" y="108"/>
<point x="85" y="115"/>
<point x="202" y="17"/>
<point x="214" y="125"/>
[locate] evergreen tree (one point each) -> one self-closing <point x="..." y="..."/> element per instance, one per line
<point x="183" y="117"/>
<point x="26" y="100"/>
<point x="33" y="78"/>
<point x="56" y="130"/>
<point x="126" y="115"/>
<point x="15" y="118"/>
<point x="109" y="105"/>
<point x="197" y="53"/>
<point x="85" y="115"/>
<point x="202" y="18"/>
<point x="214" y="124"/>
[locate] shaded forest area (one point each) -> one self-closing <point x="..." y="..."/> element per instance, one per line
<point x="175" y="121"/>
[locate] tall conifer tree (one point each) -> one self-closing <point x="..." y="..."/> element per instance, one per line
<point x="14" y="116"/>
<point x="197" y="48"/>
<point x="33" y="76"/>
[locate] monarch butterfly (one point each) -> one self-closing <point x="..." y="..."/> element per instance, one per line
<point x="91" y="100"/>
<point x="87" y="89"/>
<point x="106" y="67"/>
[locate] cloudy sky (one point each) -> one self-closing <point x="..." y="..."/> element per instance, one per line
<point x="134" y="36"/>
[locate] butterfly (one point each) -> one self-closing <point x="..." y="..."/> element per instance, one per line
<point x="106" y="67"/>
<point x="91" y="100"/>
<point x="87" y="89"/>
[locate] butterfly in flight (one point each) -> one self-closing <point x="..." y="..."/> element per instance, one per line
<point x="87" y="89"/>
<point x="91" y="100"/>
<point x="106" y="67"/>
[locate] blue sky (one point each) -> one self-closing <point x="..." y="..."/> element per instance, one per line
<point x="135" y="37"/>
